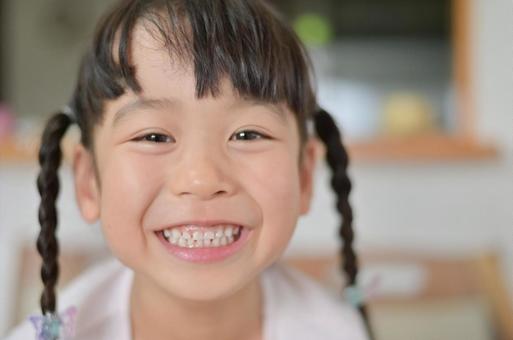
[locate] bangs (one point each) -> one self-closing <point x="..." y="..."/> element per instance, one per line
<point x="244" y="41"/>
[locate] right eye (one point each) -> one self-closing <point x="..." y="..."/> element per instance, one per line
<point x="154" y="138"/>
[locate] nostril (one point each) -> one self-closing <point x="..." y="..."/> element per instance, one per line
<point x="217" y="193"/>
<point x="202" y="187"/>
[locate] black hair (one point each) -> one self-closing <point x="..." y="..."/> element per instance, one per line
<point x="50" y="156"/>
<point x="245" y="41"/>
<point x="338" y="161"/>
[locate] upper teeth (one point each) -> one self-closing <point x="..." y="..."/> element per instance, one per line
<point x="190" y="235"/>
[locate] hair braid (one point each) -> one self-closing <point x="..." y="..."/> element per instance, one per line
<point x="338" y="161"/>
<point x="50" y="156"/>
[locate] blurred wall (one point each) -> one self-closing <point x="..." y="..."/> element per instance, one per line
<point x="44" y="46"/>
<point x="460" y="208"/>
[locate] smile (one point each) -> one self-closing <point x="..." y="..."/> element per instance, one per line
<point x="202" y="244"/>
<point x="202" y="237"/>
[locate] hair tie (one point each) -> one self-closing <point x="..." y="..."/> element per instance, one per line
<point x="319" y="111"/>
<point x="68" y="112"/>
<point x="357" y="296"/>
<point x="354" y="295"/>
<point x="52" y="326"/>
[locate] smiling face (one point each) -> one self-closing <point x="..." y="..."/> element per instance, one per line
<point x="163" y="156"/>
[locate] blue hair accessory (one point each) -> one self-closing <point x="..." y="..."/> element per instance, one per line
<point x="354" y="295"/>
<point x="357" y="296"/>
<point x="55" y="326"/>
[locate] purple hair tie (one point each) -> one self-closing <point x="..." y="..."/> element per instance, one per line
<point x="55" y="326"/>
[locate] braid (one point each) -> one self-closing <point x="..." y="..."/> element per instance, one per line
<point x="50" y="156"/>
<point x="338" y="161"/>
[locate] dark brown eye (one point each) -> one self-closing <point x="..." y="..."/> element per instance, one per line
<point x="250" y="135"/>
<point x="154" y="138"/>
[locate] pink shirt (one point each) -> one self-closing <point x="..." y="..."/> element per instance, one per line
<point x="295" y="307"/>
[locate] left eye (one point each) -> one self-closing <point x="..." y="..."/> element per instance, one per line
<point x="154" y="138"/>
<point x="250" y="135"/>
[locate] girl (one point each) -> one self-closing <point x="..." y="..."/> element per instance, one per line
<point x="196" y="157"/>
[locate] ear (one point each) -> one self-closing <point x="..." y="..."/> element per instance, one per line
<point x="87" y="192"/>
<point x="306" y="173"/>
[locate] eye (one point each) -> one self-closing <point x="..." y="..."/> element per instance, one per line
<point x="154" y="138"/>
<point x="250" y="135"/>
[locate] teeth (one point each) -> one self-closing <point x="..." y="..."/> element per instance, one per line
<point x="216" y="237"/>
<point x="175" y="233"/>
<point x="186" y="235"/>
<point x="196" y="236"/>
<point x="182" y="242"/>
<point x="228" y="231"/>
<point x="219" y="232"/>
<point x="208" y="235"/>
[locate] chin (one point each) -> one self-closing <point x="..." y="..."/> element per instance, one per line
<point x="201" y="293"/>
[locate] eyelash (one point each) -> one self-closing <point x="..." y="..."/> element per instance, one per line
<point x="150" y="137"/>
<point x="153" y="137"/>
<point x="262" y="136"/>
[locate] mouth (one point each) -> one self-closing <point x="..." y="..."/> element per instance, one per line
<point x="205" y="244"/>
<point x="192" y="236"/>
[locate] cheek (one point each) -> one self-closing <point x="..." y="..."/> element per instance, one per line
<point x="279" y="197"/>
<point x="127" y="190"/>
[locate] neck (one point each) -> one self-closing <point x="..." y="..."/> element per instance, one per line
<point x="157" y="315"/>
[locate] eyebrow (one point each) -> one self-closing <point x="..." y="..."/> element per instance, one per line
<point x="274" y="108"/>
<point x="140" y="103"/>
<point x="158" y="103"/>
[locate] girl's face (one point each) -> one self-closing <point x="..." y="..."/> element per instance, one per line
<point x="164" y="157"/>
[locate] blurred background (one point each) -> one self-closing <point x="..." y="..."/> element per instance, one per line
<point x="422" y="92"/>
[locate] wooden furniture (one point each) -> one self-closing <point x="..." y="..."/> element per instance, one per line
<point x="463" y="144"/>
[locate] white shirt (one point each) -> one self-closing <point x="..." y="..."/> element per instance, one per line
<point x="295" y="307"/>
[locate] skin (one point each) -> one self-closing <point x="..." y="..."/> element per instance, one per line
<point x="198" y="168"/>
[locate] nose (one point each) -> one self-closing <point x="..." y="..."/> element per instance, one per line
<point x="201" y="173"/>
